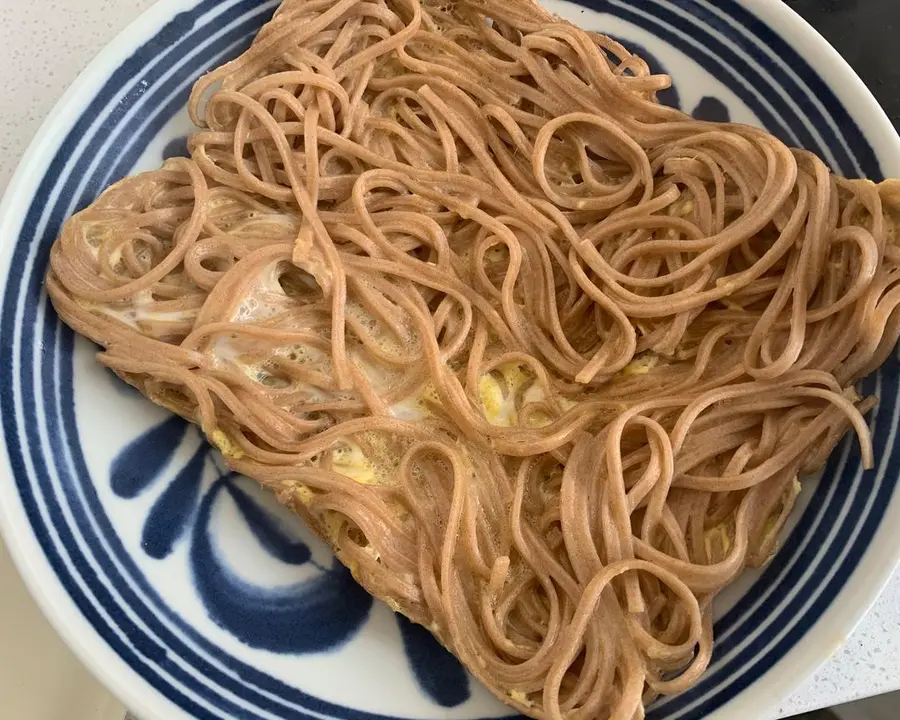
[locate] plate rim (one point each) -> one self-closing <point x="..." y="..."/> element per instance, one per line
<point x="882" y="557"/>
<point x="846" y="608"/>
<point x="29" y="559"/>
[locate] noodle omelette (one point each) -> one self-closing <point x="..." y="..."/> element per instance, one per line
<point x="543" y="360"/>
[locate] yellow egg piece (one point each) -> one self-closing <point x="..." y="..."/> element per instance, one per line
<point x="717" y="541"/>
<point x="641" y="365"/>
<point x="349" y="460"/>
<point x="498" y="410"/>
<point x="228" y="447"/>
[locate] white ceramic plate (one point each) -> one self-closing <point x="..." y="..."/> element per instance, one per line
<point x="191" y="594"/>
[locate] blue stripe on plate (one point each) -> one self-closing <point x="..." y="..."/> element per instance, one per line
<point x="758" y="37"/>
<point x="831" y="570"/>
<point x="708" y="51"/>
<point x="205" y="665"/>
<point x="150" y="654"/>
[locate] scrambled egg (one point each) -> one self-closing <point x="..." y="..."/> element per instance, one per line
<point x="717" y="541"/>
<point x="411" y="409"/>
<point x="349" y="460"/>
<point x="416" y="407"/>
<point x="228" y="447"/>
<point x="641" y="365"/>
<point x="332" y="522"/>
<point x="498" y="408"/>
<point x="498" y="396"/>
<point x="521" y="698"/>
<point x="134" y="311"/>
<point x="305" y="494"/>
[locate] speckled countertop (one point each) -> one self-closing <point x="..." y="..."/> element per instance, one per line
<point x="44" y="44"/>
<point x="865" y="32"/>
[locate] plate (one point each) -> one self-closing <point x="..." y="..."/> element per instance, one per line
<point x="191" y="594"/>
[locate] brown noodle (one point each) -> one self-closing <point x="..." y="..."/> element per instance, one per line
<point x="541" y="358"/>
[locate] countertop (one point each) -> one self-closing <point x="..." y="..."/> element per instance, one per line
<point x="40" y="678"/>
<point x="44" y="44"/>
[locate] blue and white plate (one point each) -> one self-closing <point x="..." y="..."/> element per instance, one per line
<point x="191" y="594"/>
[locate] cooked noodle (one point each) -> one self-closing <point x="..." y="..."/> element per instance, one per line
<point x="541" y="358"/>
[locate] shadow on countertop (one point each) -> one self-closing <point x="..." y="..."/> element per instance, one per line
<point x="867" y="34"/>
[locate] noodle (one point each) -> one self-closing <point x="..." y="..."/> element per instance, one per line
<point x="542" y="359"/>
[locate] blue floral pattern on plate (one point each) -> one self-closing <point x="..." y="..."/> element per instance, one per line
<point x="332" y="606"/>
<point x="89" y="508"/>
<point x="315" y="615"/>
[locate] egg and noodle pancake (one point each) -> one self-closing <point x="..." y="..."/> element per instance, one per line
<point x="543" y="360"/>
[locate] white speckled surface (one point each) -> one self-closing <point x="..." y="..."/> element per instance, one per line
<point x="868" y="663"/>
<point x="44" y="44"/>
